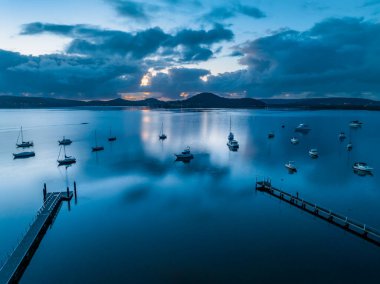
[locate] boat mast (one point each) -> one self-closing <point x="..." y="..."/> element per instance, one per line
<point x="162" y="128"/>
<point x="22" y="136"/>
<point x="230" y="124"/>
<point x="64" y="150"/>
<point x="96" y="140"/>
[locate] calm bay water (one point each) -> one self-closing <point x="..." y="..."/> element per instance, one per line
<point x="143" y="218"/>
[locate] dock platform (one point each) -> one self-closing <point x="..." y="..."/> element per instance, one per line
<point x="19" y="259"/>
<point x="359" y="229"/>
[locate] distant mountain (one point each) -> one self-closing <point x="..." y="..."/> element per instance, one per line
<point x="36" y="102"/>
<point x="209" y="100"/>
<point x="202" y="100"/>
<point x="324" y="103"/>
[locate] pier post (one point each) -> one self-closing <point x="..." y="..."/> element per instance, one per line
<point x="75" y="192"/>
<point x="68" y="192"/>
<point x="45" y="192"/>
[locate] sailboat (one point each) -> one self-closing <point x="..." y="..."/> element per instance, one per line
<point x="232" y="144"/>
<point x="162" y="136"/>
<point x="65" y="141"/>
<point x="23" y="144"/>
<point x="111" y="138"/>
<point x="97" y="148"/>
<point x="67" y="160"/>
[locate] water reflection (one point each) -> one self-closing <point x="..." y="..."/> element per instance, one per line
<point x="137" y="201"/>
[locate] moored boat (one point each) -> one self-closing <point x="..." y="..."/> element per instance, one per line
<point x="349" y="146"/>
<point x="342" y="136"/>
<point x="23" y="144"/>
<point x="23" y="155"/>
<point x="294" y="140"/>
<point x="66" y="160"/>
<point x="97" y="148"/>
<point x="112" y="138"/>
<point x="185" y="154"/>
<point x="290" y="166"/>
<point x="356" y="124"/>
<point x="162" y="135"/>
<point x="363" y="167"/>
<point x="232" y="144"/>
<point x="65" y="141"/>
<point x="313" y="153"/>
<point x="302" y="128"/>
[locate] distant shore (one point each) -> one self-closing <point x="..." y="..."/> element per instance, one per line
<point x="200" y="101"/>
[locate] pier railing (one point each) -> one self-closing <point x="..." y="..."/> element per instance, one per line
<point x="355" y="227"/>
<point x="15" y="262"/>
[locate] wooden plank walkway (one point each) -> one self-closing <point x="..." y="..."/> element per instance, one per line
<point x="18" y="260"/>
<point x="359" y="229"/>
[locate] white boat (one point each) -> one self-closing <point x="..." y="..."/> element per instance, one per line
<point x="349" y="146"/>
<point x="290" y="166"/>
<point x="294" y="140"/>
<point x="313" y="153"/>
<point x="23" y="144"/>
<point x="342" y="136"/>
<point x="23" y="155"/>
<point x="303" y="128"/>
<point x="97" y="148"/>
<point x="232" y="144"/>
<point x="65" y="141"/>
<point x="67" y="160"/>
<point x="363" y="167"/>
<point x="185" y="154"/>
<point x="162" y="135"/>
<point x="356" y="124"/>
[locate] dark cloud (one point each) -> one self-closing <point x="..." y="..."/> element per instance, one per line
<point x="371" y="3"/>
<point x="186" y="45"/>
<point x="221" y="13"/>
<point x="334" y="57"/>
<point x="250" y="11"/>
<point x="100" y="63"/>
<point x="130" y="9"/>
<point x="67" y="76"/>
<point x="338" y="57"/>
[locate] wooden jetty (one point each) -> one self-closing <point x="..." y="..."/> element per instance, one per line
<point x="356" y="228"/>
<point x="20" y="257"/>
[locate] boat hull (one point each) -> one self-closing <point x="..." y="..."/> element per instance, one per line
<point x="66" y="162"/>
<point x="97" y="149"/>
<point x="23" y="155"/>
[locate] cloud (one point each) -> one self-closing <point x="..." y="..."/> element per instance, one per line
<point x="337" y="56"/>
<point x="100" y="63"/>
<point x="186" y="45"/>
<point x="371" y="3"/>
<point x="130" y="9"/>
<point x="221" y="13"/>
<point x="178" y="80"/>
<point x="67" y="76"/>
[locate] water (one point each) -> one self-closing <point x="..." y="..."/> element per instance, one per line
<point x="143" y="218"/>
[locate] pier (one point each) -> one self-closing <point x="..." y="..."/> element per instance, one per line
<point x="20" y="257"/>
<point x="349" y="225"/>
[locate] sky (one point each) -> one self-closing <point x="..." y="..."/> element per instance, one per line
<point x="172" y="49"/>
